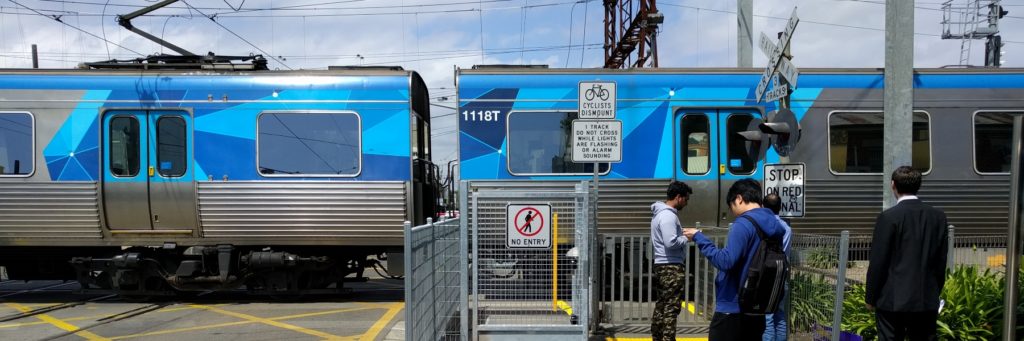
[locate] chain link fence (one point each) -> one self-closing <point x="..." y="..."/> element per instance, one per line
<point x="432" y="284"/>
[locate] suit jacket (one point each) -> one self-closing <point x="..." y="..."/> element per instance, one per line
<point x="908" y="258"/>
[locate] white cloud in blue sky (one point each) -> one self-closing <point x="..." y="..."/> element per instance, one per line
<point x="434" y="37"/>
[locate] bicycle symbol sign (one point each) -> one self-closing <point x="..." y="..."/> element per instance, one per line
<point x="528" y="226"/>
<point x="597" y="99"/>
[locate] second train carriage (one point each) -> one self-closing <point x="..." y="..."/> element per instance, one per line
<point x="149" y="181"/>
<point x="683" y="124"/>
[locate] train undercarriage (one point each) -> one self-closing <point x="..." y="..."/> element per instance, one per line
<point x="285" y="271"/>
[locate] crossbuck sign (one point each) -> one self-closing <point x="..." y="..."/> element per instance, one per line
<point x="777" y="64"/>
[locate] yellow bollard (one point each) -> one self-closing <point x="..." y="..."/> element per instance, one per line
<point x="554" y="262"/>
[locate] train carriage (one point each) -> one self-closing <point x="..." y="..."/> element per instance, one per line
<point x="155" y="181"/>
<point x="684" y="124"/>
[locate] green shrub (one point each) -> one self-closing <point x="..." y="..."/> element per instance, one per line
<point x="823" y="258"/>
<point x="812" y="301"/>
<point x="856" y="317"/>
<point x="973" y="309"/>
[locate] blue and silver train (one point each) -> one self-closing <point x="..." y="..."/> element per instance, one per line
<point x="684" y="124"/>
<point x="151" y="182"/>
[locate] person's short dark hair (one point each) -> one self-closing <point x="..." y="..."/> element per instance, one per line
<point x="748" y="189"/>
<point x="907" y="180"/>
<point x="678" y="188"/>
<point x="772" y="202"/>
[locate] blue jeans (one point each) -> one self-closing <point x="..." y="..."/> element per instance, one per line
<point x="775" y="324"/>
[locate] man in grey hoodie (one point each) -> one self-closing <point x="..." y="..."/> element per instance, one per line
<point x="668" y="240"/>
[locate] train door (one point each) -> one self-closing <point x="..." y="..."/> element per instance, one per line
<point x="711" y="156"/>
<point x="147" y="182"/>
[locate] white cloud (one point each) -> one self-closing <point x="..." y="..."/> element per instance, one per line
<point x="434" y="42"/>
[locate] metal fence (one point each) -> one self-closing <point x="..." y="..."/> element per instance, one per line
<point x="627" y="284"/>
<point x="537" y="292"/>
<point x="818" y="261"/>
<point x="432" y="284"/>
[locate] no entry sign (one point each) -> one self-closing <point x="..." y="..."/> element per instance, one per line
<point x="529" y="226"/>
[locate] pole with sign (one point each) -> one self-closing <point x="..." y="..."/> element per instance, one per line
<point x="597" y="136"/>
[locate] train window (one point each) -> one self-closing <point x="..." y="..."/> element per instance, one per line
<point x="856" y="142"/>
<point x="171" y="149"/>
<point x="17" y="146"/>
<point x="993" y="132"/>
<point x="124" y="146"/>
<point x="696" y="156"/>
<point x="539" y="143"/>
<point x="739" y="160"/>
<point x="309" y="144"/>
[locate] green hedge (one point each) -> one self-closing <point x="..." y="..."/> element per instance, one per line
<point x="973" y="309"/>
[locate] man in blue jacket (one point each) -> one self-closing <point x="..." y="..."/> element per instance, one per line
<point x="732" y="261"/>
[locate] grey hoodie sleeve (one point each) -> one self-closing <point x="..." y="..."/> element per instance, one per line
<point x="670" y="231"/>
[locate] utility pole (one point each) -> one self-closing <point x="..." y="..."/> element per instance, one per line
<point x="35" y="57"/>
<point x="898" y="100"/>
<point x="744" y="37"/>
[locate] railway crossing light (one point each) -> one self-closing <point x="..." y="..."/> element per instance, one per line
<point x="756" y="142"/>
<point x="783" y="130"/>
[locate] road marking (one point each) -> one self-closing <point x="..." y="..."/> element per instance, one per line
<point x="64" y="325"/>
<point x="612" y="338"/>
<point x="228" y="324"/>
<point x="375" y="329"/>
<point x="92" y="317"/>
<point x="269" y="322"/>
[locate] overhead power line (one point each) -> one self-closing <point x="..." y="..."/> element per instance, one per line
<point x="372" y="11"/>
<point x="237" y="36"/>
<point x="57" y="18"/>
<point x="809" y="21"/>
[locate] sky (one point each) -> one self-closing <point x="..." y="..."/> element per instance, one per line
<point x="436" y="37"/>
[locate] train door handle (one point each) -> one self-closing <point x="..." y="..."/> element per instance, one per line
<point x="151" y="171"/>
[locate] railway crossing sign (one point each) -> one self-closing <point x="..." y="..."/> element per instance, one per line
<point x="775" y="58"/>
<point x="528" y="226"/>
<point x="596" y="141"/>
<point x="786" y="180"/>
<point x="597" y="100"/>
<point x="786" y="69"/>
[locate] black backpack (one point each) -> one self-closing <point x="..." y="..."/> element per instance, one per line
<point x="765" y="285"/>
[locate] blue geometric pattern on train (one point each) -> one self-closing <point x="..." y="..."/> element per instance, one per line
<point x="224" y="132"/>
<point x="73" y="153"/>
<point x="645" y="114"/>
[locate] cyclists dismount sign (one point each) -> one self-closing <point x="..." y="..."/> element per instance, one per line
<point x="597" y="99"/>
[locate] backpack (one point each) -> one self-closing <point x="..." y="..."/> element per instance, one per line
<point x="765" y="285"/>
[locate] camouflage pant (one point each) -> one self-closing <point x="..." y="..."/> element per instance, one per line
<point x="668" y="279"/>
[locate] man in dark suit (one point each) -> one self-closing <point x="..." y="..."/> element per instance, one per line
<point x="908" y="263"/>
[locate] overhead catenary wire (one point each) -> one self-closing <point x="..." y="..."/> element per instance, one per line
<point x="810" y="21"/>
<point x="237" y="36"/>
<point x="57" y="18"/>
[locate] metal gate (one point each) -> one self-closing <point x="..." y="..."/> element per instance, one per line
<point x="521" y="292"/>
